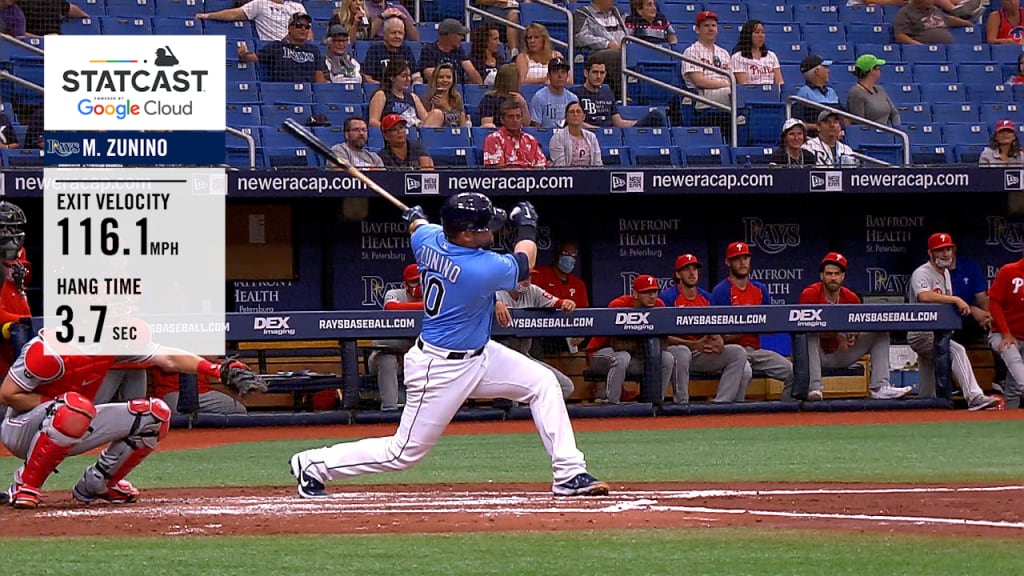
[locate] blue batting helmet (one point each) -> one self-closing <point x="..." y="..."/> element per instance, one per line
<point x="472" y="212"/>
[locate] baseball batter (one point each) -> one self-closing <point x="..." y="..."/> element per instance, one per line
<point x="454" y="357"/>
<point x="1006" y="303"/>
<point x="51" y="415"/>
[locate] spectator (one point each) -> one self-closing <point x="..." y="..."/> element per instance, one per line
<point x="867" y="98"/>
<point x="547" y="107"/>
<point x="380" y="12"/>
<point x="791" y="151"/>
<point x="509" y="146"/>
<point x="600" y="105"/>
<point x="398" y="151"/>
<point x="826" y="147"/>
<point x="739" y="289"/>
<point x="647" y="23"/>
<point x="395" y="96"/>
<point x="353" y="151"/>
<point x="34" y="134"/>
<point x="708" y="353"/>
<point x="921" y="22"/>
<point x="1004" y="147"/>
<point x="506" y="88"/>
<point x="8" y="137"/>
<point x="444" y="100"/>
<point x="380" y="54"/>
<point x="1018" y="78"/>
<point x="384" y="360"/>
<point x="532" y="63"/>
<point x="166" y="385"/>
<point x="509" y="10"/>
<point x="352" y="16"/>
<point x="711" y="85"/>
<point x="966" y="9"/>
<point x="574" y="146"/>
<point x="290" y="59"/>
<point x="558" y="278"/>
<point x="342" y="67"/>
<point x="841" y="350"/>
<point x="816" y="89"/>
<point x="931" y="284"/>
<point x="600" y="28"/>
<point x="1007" y="306"/>
<point x="44" y="17"/>
<point x="752" y="62"/>
<point x="448" y="49"/>
<point x="12" y="19"/>
<point x="484" y="51"/>
<point x="616" y="354"/>
<point x="1006" y="25"/>
<point x="529" y="295"/>
<point x="272" y="18"/>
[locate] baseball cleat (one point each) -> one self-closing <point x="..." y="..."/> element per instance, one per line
<point x="23" y="497"/>
<point x="814" y="396"/>
<point x="308" y="486"/>
<point x="983" y="403"/>
<point x="581" y="485"/>
<point x="890" y="392"/>
<point x="121" y="493"/>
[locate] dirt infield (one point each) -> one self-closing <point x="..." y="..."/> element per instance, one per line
<point x="971" y="510"/>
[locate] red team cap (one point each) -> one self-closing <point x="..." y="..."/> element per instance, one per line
<point x="1005" y="124"/>
<point x="686" y="260"/>
<point x="411" y="272"/>
<point x="835" y="258"/>
<point x="939" y="240"/>
<point x="645" y="283"/>
<point x="390" y="121"/>
<point x="737" y="249"/>
<point x="701" y="17"/>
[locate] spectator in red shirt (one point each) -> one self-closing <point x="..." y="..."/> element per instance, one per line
<point x="616" y="354"/>
<point x="509" y="146"/>
<point x="739" y="289"/>
<point x="841" y="350"/>
<point x="1006" y="304"/>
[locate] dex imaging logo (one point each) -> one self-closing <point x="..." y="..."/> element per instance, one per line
<point x="826" y="181"/>
<point x="275" y="325"/>
<point x="422" y="183"/>
<point x="634" y="321"/>
<point x="1013" y="179"/>
<point x="808" y="317"/>
<point x="134" y="83"/>
<point x="627" y="182"/>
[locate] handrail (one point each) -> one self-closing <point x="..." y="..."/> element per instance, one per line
<point x="248" y="139"/>
<point x="860" y="120"/>
<point x="570" y="51"/>
<point x="5" y="75"/>
<point x="730" y="108"/>
<point x="22" y="43"/>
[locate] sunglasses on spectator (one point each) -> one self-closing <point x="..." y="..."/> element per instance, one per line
<point x="302" y="26"/>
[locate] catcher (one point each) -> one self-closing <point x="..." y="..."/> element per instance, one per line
<point x="51" y="415"/>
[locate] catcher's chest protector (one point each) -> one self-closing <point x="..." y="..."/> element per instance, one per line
<point x="82" y="374"/>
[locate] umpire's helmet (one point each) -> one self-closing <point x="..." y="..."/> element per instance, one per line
<point x="11" y="236"/>
<point x="472" y="212"/>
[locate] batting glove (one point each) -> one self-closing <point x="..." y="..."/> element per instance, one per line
<point x="415" y="213"/>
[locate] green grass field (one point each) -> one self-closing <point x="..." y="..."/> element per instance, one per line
<point x="914" y="453"/>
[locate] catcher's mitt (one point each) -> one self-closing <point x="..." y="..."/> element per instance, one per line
<point x="238" y="377"/>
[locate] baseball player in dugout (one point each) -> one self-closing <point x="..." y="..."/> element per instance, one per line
<point x="615" y="354"/>
<point x="51" y="415"/>
<point x="526" y="294"/>
<point x="454" y="357"/>
<point x="384" y="360"/>
<point x="931" y="284"/>
<point x="841" y="350"/>
<point x="708" y="353"/>
<point x="739" y="289"/>
<point x="1006" y="303"/>
<point x="15" y="314"/>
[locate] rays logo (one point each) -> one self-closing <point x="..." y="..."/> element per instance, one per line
<point x="422" y="183"/>
<point x="1013" y="180"/>
<point x="374" y="289"/>
<point x="770" y="238"/>
<point x="62" y="149"/>
<point x="880" y="281"/>
<point x="505" y="239"/>
<point x="1005" y="234"/>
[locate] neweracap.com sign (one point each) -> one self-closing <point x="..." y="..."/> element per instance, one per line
<point x="131" y="83"/>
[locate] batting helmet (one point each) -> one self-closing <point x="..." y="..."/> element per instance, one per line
<point x="471" y="212"/>
<point x="12" y="238"/>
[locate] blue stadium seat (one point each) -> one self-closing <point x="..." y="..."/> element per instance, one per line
<point x="792" y="53"/>
<point x="30" y="69"/>
<point x="748" y="94"/>
<point x="114" y="25"/>
<point x="337" y="113"/>
<point x="681" y="15"/>
<point x="428" y="33"/>
<point x="275" y="114"/>
<point x="968" y="153"/>
<point x="286" y="92"/>
<point x="967" y="132"/>
<point x="931" y="154"/>
<point x="658" y="156"/>
<point x="891" y="53"/>
<point x="1004" y="53"/>
<point x="817" y="13"/>
<point x="993" y="112"/>
<point x="635" y="112"/>
<point x="478" y="135"/>
<point x="473" y="93"/>
<point x="445" y="138"/>
<point x="943" y="92"/>
<point x="868" y="33"/>
<point x="898" y="74"/>
<point x="238" y="157"/>
<point x="647" y="94"/>
<point x="889" y="153"/>
<point x="131" y="8"/>
<point x="729" y="12"/>
<point x="21" y="157"/>
<point x="915" y="113"/>
<point x="770" y="13"/>
<point x="719" y="155"/>
<point x="931" y="73"/>
<point x="330" y="93"/>
<point x="240" y="30"/>
<point x="925" y="53"/>
<point x="859" y="136"/>
<point x="824" y="34"/>
<point x="543" y="136"/>
<point x="980" y="73"/>
<point x="237" y="72"/>
<point x="968" y="53"/>
<point x="763" y="125"/>
<point x="685" y="136"/>
<point x="860" y="13"/>
<point x="243" y="92"/>
<point x="961" y="111"/>
<point x="456" y="157"/>
<point x="649" y="137"/>
<point x="968" y="35"/>
<point x="177" y="26"/>
<point x="556" y="22"/>
<point x="759" y="155"/>
<point x="179" y="8"/>
<point x="93" y="8"/>
<point x="616" y="156"/>
<point x="243" y="115"/>
<point x="792" y="77"/>
<point x="81" y="27"/>
<point x="841" y="52"/>
<point x="904" y="93"/>
<point x="728" y="34"/>
<point x="321" y="9"/>
<point x="290" y="157"/>
<point x="609" y="136"/>
<point x="528" y="90"/>
<point x="990" y="93"/>
<point x="928" y="133"/>
<point x="236" y="148"/>
<point x="785" y="32"/>
<point x="331" y="135"/>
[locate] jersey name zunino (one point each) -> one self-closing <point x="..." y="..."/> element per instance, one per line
<point x="137" y="80"/>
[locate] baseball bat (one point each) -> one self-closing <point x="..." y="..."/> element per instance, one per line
<point x="321" y="148"/>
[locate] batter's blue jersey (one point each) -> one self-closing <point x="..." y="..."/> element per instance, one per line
<point x="458" y="288"/>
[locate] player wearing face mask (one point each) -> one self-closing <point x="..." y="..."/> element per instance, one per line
<point x="931" y="284"/>
<point x="558" y="279"/>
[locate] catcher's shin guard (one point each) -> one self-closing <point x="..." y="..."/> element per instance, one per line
<point x="67" y="421"/>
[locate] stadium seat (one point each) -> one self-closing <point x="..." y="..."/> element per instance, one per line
<point x="961" y="111"/>
<point x="729" y="12"/>
<point x="904" y="93"/>
<point x="330" y="93"/>
<point x="967" y="132"/>
<point x="240" y="72"/>
<point x="792" y="77"/>
<point x="990" y="93"/>
<point x="21" y="157"/>
<point x="980" y="73"/>
<point x="792" y="53"/>
<point x="472" y="94"/>
<point x="915" y="113"/>
<point x="836" y="52"/>
<point x="891" y="53"/>
<point x="238" y="157"/>
<point x="178" y="8"/>
<point x="763" y="125"/>
<point x="771" y="13"/>
<point x="898" y="74"/>
<point x="634" y="112"/>
<point x="658" y="156"/>
<point x="759" y="155"/>
<point x="233" y="31"/>
<point x="1004" y="53"/>
<point x="968" y="53"/>
<point x="609" y="136"/>
<point x="649" y="137"/>
<point x="291" y="157"/>
<point x="968" y="153"/>
<point x="81" y="27"/>
<point x="428" y="33"/>
<point x="785" y="32"/>
<point x="543" y="136"/>
<point x="684" y="136"/>
<point x="131" y="8"/>
<point x="616" y="156"/>
<point x="815" y="13"/>
<point x="943" y="92"/>
<point x="925" y="53"/>
<point x="93" y="8"/>
<point x="968" y="35"/>
<point x="860" y="13"/>
<point x="868" y="33"/>
<point x="478" y="135"/>
<point x="236" y="148"/>
<point x="823" y="34"/>
<point x="456" y="157"/>
<point x="555" y="21"/>
<point x="114" y="25"/>
<point x="991" y="113"/>
<point x="931" y="154"/>
<point x="445" y="138"/>
<point x="708" y="155"/>
<point x="924" y="133"/>
<point x="286" y="92"/>
<point x="243" y="115"/>
<point x="337" y="113"/>
<point x="859" y="136"/>
<point x="932" y="73"/>
<point x="275" y="114"/>
<point x="30" y="69"/>
<point x="320" y="9"/>
<point x="243" y="93"/>
<point x="177" y="26"/>
<point x="681" y="15"/>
